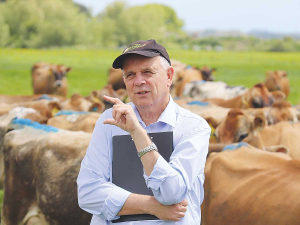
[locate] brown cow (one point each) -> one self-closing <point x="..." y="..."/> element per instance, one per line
<point x="277" y="80"/>
<point x="75" y="122"/>
<point x="282" y="110"/>
<point x="207" y="72"/>
<point x="237" y="126"/>
<point x="41" y="167"/>
<point x="108" y="91"/>
<point x="10" y="99"/>
<point x="79" y="103"/>
<point x="18" y="112"/>
<point x="49" y="79"/>
<point x="115" y="78"/>
<point x="249" y="186"/>
<point x="185" y="76"/>
<point x="256" y="97"/>
<point x="43" y="106"/>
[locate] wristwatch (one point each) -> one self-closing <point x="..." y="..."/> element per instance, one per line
<point x="147" y="149"/>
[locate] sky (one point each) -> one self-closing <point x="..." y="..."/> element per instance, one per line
<point x="280" y="16"/>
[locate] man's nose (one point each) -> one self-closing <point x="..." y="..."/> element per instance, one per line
<point x="139" y="80"/>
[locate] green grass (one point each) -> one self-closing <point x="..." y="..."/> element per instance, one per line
<point x="90" y="67"/>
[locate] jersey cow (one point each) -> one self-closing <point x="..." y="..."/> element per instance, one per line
<point x="75" y="121"/>
<point x="277" y="80"/>
<point x="49" y="79"/>
<point x="249" y="186"/>
<point x="79" y="103"/>
<point x="238" y="126"/>
<point x="217" y="89"/>
<point x="256" y="97"/>
<point x="41" y="167"/>
<point x="115" y="78"/>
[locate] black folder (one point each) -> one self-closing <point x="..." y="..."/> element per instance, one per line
<point x="127" y="168"/>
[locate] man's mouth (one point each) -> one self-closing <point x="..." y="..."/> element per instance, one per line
<point x="142" y="92"/>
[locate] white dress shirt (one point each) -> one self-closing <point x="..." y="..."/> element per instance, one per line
<point x="170" y="182"/>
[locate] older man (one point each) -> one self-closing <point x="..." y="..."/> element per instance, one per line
<point x="177" y="185"/>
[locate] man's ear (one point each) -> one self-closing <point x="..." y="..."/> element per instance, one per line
<point x="170" y="74"/>
<point x="123" y="77"/>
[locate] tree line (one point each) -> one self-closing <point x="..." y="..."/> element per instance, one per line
<point x="61" y="23"/>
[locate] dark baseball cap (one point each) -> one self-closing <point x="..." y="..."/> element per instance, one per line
<point x="147" y="48"/>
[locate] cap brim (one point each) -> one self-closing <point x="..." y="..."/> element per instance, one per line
<point x="118" y="63"/>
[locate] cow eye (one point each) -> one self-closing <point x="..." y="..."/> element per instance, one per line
<point x="242" y="137"/>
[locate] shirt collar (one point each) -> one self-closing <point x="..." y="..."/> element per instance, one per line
<point x="168" y="115"/>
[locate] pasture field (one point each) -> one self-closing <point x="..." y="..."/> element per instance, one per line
<point x="90" y="67"/>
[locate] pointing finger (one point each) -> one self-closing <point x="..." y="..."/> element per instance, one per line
<point x="112" y="100"/>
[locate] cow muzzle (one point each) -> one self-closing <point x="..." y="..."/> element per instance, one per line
<point x="57" y="83"/>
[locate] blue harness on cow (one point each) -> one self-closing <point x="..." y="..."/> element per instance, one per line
<point x="198" y="103"/>
<point x="235" y="146"/>
<point x="70" y="112"/>
<point x="21" y="123"/>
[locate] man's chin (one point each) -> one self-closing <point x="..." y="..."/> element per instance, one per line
<point x="142" y="102"/>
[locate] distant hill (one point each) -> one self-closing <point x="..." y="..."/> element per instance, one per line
<point x="271" y="35"/>
<point x="262" y="34"/>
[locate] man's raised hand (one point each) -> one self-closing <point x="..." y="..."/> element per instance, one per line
<point x="123" y="115"/>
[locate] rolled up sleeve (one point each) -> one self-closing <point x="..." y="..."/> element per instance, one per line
<point x="171" y="181"/>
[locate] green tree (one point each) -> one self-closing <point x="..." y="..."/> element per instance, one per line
<point x="105" y="26"/>
<point x="123" y="25"/>
<point x="44" y="23"/>
<point x="4" y="31"/>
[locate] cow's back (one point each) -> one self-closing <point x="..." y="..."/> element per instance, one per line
<point x="41" y="168"/>
<point x="249" y="186"/>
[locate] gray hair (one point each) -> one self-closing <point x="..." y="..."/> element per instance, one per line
<point x="164" y="63"/>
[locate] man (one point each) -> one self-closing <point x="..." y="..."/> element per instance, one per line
<point x="177" y="185"/>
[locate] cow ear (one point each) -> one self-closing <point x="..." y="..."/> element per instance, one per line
<point x="54" y="107"/>
<point x="284" y="74"/>
<point x="97" y="107"/>
<point x="259" y="122"/>
<point x="278" y="95"/>
<point x="68" y="69"/>
<point x="278" y="148"/>
<point x="94" y="93"/>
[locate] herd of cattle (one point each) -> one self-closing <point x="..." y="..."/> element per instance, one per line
<point x="252" y="171"/>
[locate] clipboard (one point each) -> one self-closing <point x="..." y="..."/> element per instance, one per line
<point x="127" y="168"/>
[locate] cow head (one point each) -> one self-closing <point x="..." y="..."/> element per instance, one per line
<point x="59" y="72"/>
<point x="207" y="73"/>
<point x="282" y="110"/>
<point x="257" y="97"/>
<point x="108" y="91"/>
<point x="277" y="80"/>
<point x="185" y="76"/>
<point x="237" y="126"/>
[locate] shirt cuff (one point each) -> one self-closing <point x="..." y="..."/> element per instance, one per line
<point x="160" y="172"/>
<point x="114" y="203"/>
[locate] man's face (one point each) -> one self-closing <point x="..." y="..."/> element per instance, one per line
<point x="147" y="82"/>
